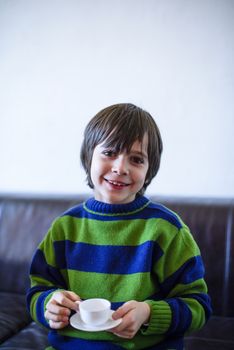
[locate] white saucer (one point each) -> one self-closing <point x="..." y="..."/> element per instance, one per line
<point x="77" y="323"/>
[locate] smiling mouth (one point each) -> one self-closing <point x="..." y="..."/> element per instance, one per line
<point x="117" y="183"/>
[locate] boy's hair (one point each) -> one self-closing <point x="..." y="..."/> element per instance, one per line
<point x="120" y="125"/>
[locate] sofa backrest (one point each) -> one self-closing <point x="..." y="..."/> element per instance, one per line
<point x="25" y="221"/>
<point x="23" y="224"/>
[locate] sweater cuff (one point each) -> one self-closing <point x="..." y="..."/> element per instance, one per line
<point x="160" y="317"/>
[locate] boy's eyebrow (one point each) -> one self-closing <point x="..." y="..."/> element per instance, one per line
<point x="142" y="154"/>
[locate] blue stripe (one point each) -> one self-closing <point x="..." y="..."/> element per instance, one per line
<point x="181" y="317"/>
<point x="115" y="306"/>
<point x="106" y="258"/>
<point x="40" y="267"/>
<point x="189" y="272"/>
<point x="159" y="295"/>
<point x="60" y="342"/>
<point x="153" y="211"/>
<point x="173" y="343"/>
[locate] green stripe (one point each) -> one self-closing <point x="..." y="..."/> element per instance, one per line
<point x="173" y="245"/>
<point x="121" y="232"/>
<point x="47" y="248"/>
<point x="40" y="281"/>
<point x="116" y="288"/>
<point x="193" y="287"/>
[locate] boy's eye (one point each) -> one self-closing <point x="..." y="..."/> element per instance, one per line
<point x="108" y="153"/>
<point x="137" y="160"/>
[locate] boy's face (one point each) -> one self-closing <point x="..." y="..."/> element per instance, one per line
<point x="118" y="177"/>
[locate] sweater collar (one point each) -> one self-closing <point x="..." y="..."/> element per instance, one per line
<point x="96" y="207"/>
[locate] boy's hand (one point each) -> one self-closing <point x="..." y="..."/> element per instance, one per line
<point x="134" y="314"/>
<point x="59" y="307"/>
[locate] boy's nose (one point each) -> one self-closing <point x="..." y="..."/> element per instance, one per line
<point x="120" y="166"/>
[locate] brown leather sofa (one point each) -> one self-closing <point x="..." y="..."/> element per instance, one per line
<point x="24" y="220"/>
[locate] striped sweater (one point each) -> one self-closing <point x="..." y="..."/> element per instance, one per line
<point x="136" y="251"/>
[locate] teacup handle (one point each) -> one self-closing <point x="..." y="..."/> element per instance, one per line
<point x="78" y="303"/>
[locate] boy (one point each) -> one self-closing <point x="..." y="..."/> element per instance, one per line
<point x="120" y="246"/>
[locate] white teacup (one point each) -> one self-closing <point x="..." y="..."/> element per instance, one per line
<point x="94" y="311"/>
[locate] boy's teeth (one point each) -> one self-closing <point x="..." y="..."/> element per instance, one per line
<point x="116" y="183"/>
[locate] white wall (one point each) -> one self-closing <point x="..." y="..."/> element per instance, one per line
<point x="63" y="61"/>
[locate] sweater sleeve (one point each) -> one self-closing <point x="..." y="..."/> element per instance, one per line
<point x="45" y="278"/>
<point x="184" y="304"/>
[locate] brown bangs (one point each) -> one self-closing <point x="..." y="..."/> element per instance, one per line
<point x="122" y="138"/>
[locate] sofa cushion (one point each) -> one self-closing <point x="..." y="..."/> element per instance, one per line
<point x="217" y="334"/>
<point x="207" y="344"/>
<point x="13" y="314"/>
<point x="30" y="338"/>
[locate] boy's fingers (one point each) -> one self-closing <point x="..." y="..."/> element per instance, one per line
<point x="57" y="325"/>
<point x="56" y="309"/>
<point x="66" y="299"/>
<point x="124" y="325"/>
<point x="73" y="296"/>
<point x="55" y="317"/>
<point x="123" y="310"/>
